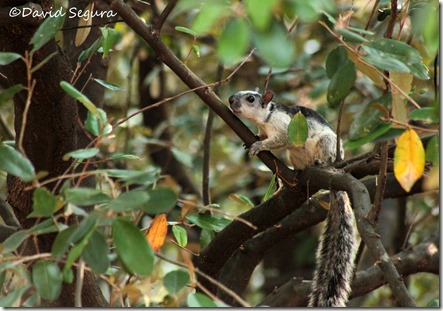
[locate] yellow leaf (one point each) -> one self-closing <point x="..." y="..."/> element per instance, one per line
<point x="409" y="159"/>
<point x="404" y="82"/>
<point x="157" y="232"/>
<point x="84" y="26"/>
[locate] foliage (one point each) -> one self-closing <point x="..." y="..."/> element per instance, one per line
<point x="321" y="55"/>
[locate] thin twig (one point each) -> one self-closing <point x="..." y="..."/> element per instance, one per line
<point x="168" y="9"/>
<point x="268" y="78"/>
<point x="381" y="184"/>
<point x="6" y="129"/>
<point x="392" y="120"/>
<point x="79" y="284"/>
<point x="392" y="19"/>
<point x="206" y="194"/>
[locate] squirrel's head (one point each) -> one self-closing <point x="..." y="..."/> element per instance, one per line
<point x="249" y="104"/>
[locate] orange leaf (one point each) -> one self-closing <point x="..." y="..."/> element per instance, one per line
<point x="409" y="159"/>
<point x="157" y="232"/>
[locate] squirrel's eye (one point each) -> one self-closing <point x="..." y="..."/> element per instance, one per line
<point x="250" y="98"/>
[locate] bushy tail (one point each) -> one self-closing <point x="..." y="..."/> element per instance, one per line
<point x="335" y="255"/>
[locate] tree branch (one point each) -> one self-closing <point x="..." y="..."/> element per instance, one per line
<point x="425" y="257"/>
<point x="226" y="242"/>
<point x="168" y="9"/>
<point x="361" y="204"/>
<point x="238" y="269"/>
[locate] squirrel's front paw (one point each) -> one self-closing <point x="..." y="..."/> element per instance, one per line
<point x="255" y="148"/>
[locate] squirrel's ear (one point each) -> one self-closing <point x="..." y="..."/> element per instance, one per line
<point x="267" y="97"/>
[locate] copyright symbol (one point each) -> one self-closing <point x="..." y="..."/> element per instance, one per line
<point x="14" y="12"/>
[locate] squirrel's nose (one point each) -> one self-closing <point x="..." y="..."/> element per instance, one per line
<point x="231" y="99"/>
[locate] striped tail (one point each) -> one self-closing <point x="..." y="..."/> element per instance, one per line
<point x="335" y="255"/>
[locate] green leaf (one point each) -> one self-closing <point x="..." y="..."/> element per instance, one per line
<point x="160" y="200"/>
<point x="432" y="150"/>
<point x="186" y="30"/>
<point x="382" y="129"/>
<point x="44" y="203"/>
<point x="72" y="235"/>
<point x="94" y="124"/>
<point x="389" y="54"/>
<point x="298" y="130"/>
<point x="183" y="157"/>
<point x="180" y="235"/>
<point x="206" y="237"/>
<point x="389" y="134"/>
<point x="208" y="221"/>
<point x="12" y="298"/>
<point x="306" y="10"/>
<point x="197" y="300"/>
<point x="14" y="163"/>
<point x="110" y="36"/>
<point x="337" y="58"/>
<point x="8" y="94"/>
<point x="424" y="18"/>
<point x="434" y="303"/>
<point x="131" y="177"/>
<point x="96" y="252"/>
<point x="81" y="154"/>
<point x="196" y="50"/>
<point x="133" y="250"/>
<point x="274" y="46"/>
<point x="76" y="94"/>
<point x="368" y="119"/>
<point x="209" y="14"/>
<point x="63" y="241"/>
<point x="330" y="17"/>
<point x="350" y="36"/>
<point x="261" y="15"/>
<point x="233" y="42"/>
<point x="109" y="85"/>
<point x="47" y="30"/>
<point x="46" y="226"/>
<point x="77" y="249"/>
<point x="341" y="83"/>
<point x="176" y="280"/>
<point x="270" y="189"/>
<point x="68" y="276"/>
<point x="428" y="114"/>
<point x="47" y="279"/>
<point x="8" y="57"/>
<point x="84" y="55"/>
<point x="13" y="241"/>
<point x="131" y="200"/>
<point x="86" y="196"/>
<point x="124" y="157"/>
<point x="242" y="199"/>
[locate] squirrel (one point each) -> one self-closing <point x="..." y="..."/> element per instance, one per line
<point x="337" y="247"/>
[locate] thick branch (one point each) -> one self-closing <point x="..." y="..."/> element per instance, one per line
<point x="238" y="269"/>
<point x="424" y="257"/>
<point x="362" y="204"/>
<point x="265" y="215"/>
